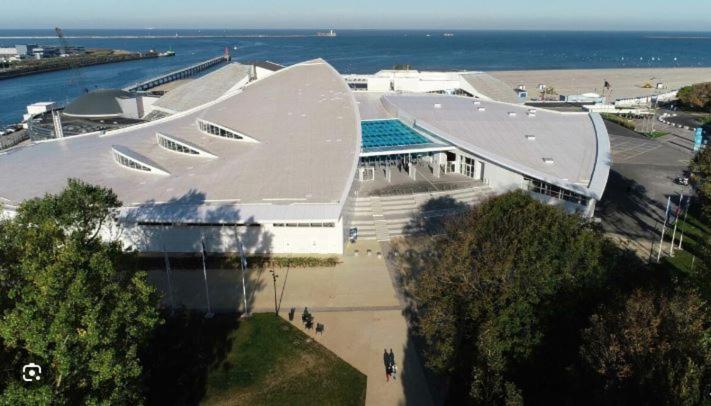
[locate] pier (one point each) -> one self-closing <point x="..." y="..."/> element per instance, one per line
<point x="178" y="74"/>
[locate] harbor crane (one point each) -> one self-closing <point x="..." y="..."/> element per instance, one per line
<point x="76" y="78"/>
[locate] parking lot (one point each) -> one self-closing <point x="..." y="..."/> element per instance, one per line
<point x="641" y="180"/>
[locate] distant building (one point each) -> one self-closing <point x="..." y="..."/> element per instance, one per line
<point x="8" y="53"/>
<point x="26" y="50"/>
<point x="586" y="98"/>
<point x="473" y="84"/>
<point x="262" y="69"/>
<point x="106" y="103"/>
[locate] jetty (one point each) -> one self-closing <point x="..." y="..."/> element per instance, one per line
<point x="178" y="74"/>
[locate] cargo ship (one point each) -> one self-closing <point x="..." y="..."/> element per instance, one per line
<point x="329" y="33"/>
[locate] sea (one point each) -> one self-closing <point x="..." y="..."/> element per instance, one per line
<point x="351" y="51"/>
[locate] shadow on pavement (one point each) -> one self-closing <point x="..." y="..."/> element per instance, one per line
<point x="406" y="258"/>
<point x="627" y="210"/>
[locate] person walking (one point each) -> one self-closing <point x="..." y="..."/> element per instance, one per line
<point x="386" y="363"/>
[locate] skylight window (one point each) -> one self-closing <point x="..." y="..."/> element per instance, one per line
<point x="131" y="160"/>
<point x="180" y="146"/>
<point x="220" y="131"/>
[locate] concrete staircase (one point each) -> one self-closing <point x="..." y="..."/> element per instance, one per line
<point x="384" y="217"/>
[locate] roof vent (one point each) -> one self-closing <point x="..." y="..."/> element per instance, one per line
<point x="531" y="137"/>
<point x="481" y="109"/>
<point x="512" y="114"/>
<point x="437" y="106"/>
<point x="548" y="161"/>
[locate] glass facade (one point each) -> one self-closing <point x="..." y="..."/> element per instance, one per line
<point x="212" y="129"/>
<point x="540" y="187"/>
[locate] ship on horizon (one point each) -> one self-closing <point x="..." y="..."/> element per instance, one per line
<point x="329" y="33"/>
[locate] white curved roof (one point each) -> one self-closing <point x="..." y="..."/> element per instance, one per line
<point x="204" y="89"/>
<point x="571" y="150"/>
<point x="306" y="125"/>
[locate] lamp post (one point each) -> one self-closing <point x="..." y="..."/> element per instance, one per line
<point x="274" y="278"/>
<point x="243" y="263"/>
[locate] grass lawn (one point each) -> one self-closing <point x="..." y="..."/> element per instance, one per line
<point x="259" y="361"/>
<point x="656" y="134"/>
<point x="694" y="231"/>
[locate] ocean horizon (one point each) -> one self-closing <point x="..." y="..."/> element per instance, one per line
<point x="352" y="51"/>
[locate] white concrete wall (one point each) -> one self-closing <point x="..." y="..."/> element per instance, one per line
<point x="262" y="240"/>
<point x="148" y="102"/>
<point x="129" y="107"/>
<point x="262" y="73"/>
<point x="498" y="178"/>
<point x="378" y="84"/>
<point x="501" y="179"/>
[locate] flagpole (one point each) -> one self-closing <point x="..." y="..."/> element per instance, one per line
<point x="676" y="222"/>
<point x="686" y="211"/>
<point x="209" y="313"/>
<point x="664" y="229"/>
<point x="170" y="284"/>
<point x="243" y="263"/>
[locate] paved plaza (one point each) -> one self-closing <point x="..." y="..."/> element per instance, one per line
<point x="356" y="301"/>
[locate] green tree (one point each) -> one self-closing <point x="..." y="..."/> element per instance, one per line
<point x="697" y="97"/>
<point x="509" y="282"/>
<point x="701" y="170"/>
<point x="71" y="303"/>
<point x="652" y="349"/>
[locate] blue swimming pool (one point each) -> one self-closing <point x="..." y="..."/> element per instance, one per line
<point x="389" y="133"/>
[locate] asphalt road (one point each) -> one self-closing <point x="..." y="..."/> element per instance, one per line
<point x="640" y="182"/>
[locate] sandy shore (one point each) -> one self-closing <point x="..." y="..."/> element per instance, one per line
<point x="626" y="83"/>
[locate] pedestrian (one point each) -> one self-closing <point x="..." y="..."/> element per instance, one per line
<point x="388" y="372"/>
<point x="394" y="373"/>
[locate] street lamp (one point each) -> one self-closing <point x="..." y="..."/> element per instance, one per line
<point x="274" y="278"/>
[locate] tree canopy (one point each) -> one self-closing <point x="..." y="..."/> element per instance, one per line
<point x="505" y="300"/>
<point x="651" y="348"/>
<point x="697" y="97"/>
<point x="71" y="303"/>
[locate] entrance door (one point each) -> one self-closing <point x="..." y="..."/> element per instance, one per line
<point x="367" y="174"/>
<point x="468" y="167"/>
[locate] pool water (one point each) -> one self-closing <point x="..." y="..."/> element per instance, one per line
<point x="389" y="133"/>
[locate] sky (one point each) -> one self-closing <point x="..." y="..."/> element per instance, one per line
<point x="605" y="15"/>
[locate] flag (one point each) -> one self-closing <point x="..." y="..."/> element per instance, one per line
<point x="673" y="216"/>
<point x="666" y="213"/>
